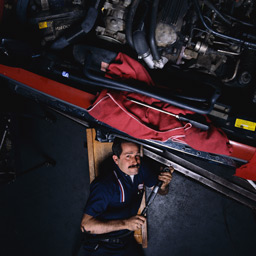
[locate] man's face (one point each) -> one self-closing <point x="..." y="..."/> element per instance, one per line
<point x="129" y="160"/>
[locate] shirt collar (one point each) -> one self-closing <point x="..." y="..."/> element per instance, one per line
<point x="123" y="175"/>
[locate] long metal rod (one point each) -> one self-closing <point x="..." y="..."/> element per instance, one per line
<point x="148" y="106"/>
<point x="201" y="171"/>
<point x="82" y="122"/>
<point x="3" y="138"/>
<point x="180" y="117"/>
<point x="252" y="183"/>
<point x="212" y="184"/>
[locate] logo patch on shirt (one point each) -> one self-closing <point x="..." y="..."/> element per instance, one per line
<point x="140" y="186"/>
<point x="140" y="189"/>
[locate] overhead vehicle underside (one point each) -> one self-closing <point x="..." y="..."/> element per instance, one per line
<point x="199" y="54"/>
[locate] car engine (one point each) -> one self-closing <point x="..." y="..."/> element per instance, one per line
<point x="213" y="37"/>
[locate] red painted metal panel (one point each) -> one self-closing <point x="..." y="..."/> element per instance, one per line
<point x="242" y="151"/>
<point x="48" y="86"/>
<point x="84" y="100"/>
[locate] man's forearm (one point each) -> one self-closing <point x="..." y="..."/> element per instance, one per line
<point x="95" y="226"/>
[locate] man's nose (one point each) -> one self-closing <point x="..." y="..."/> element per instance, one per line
<point x="134" y="160"/>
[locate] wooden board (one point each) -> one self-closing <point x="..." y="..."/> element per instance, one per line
<point x="97" y="153"/>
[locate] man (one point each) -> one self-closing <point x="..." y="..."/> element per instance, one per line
<point x="111" y="210"/>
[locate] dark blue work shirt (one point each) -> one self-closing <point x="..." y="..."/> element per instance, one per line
<point x="115" y="196"/>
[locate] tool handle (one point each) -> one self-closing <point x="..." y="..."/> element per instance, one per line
<point x="195" y="123"/>
<point x="154" y="192"/>
<point x="166" y="169"/>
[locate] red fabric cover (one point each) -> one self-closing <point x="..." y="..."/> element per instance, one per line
<point x="248" y="171"/>
<point x="144" y="123"/>
<point x="140" y="122"/>
<point x="127" y="68"/>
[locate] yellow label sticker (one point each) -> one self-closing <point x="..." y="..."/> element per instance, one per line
<point x="244" y="124"/>
<point x="43" y="24"/>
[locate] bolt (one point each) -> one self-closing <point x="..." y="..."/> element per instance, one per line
<point x="245" y="78"/>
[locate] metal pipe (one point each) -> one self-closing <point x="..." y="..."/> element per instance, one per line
<point x="236" y="40"/>
<point x="180" y="117"/>
<point x="211" y="6"/>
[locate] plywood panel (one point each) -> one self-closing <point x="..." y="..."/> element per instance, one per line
<point x="97" y="153"/>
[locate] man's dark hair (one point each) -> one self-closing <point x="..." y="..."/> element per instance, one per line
<point x="117" y="146"/>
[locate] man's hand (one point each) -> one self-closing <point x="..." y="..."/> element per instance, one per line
<point x="86" y="218"/>
<point x="166" y="178"/>
<point x="135" y="222"/>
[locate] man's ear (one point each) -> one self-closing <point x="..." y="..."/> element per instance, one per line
<point x="115" y="158"/>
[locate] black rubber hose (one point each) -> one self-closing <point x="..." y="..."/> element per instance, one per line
<point x="236" y="40"/>
<point x="140" y="43"/>
<point x="21" y="10"/>
<point x="152" y="30"/>
<point x="81" y="81"/>
<point x="129" y="22"/>
<point x="148" y="91"/>
<point x="141" y="23"/>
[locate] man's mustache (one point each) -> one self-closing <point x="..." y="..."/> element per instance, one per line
<point x="134" y="166"/>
